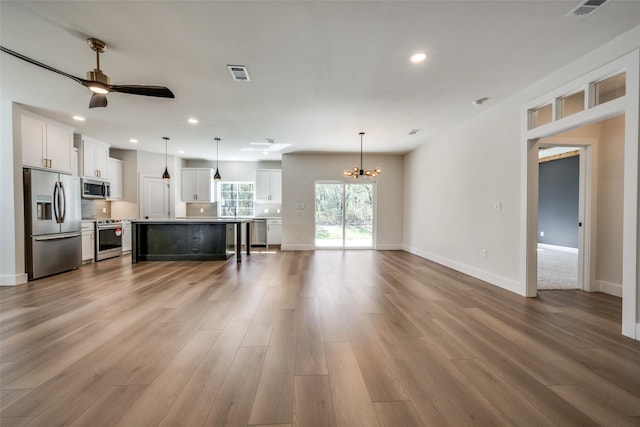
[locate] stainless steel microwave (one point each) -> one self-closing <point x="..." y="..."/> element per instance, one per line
<point x="95" y="189"/>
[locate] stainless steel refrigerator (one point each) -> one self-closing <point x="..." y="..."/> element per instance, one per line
<point x="53" y="222"/>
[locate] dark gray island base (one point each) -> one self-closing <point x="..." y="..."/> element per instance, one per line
<point x="188" y="240"/>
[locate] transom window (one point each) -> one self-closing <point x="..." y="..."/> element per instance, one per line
<point x="236" y="199"/>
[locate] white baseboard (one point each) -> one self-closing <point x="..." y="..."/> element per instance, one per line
<point x="381" y="247"/>
<point x="298" y="247"/>
<point x="493" y="279"/>
<point x="13" y="280"/>
<point x="609" y="288"/>
<point x="389" y="247"/>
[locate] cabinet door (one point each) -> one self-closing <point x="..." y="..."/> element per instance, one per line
<point x="275" y="186"/>
<point x="189" y="189"/>
<point x="59" y="148"/>
<point x="88" y="159"/>
<point x="101" y="153"/>
<point x="126" y="237"/>
<point x="87" y="245"/>
<point x="262" y="185"/>
<point x="33" y="142"/>
<point x="204" y="184"/>
<point x="115" y="178"/>
<point x="274" y="234"/>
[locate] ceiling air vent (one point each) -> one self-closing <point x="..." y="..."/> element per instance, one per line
<point x="239" y="73"/>
<point x="586" y="8"/>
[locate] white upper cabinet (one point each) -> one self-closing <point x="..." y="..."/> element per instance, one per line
<point x="197" y="185"/>
<point x="115" y="178"/>
<point x="94" y="157"/>
<point x="46" y="144"/>
<point x="269" y="185"/>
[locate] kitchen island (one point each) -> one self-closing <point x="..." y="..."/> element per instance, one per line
<point x="188" y="239"/>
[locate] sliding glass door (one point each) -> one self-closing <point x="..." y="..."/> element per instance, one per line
<point x="344" y="215"/>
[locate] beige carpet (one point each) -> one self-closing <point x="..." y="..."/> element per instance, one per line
<point x="557" y="267"/>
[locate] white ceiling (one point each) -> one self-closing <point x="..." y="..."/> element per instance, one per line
<point x="321" y="71"/>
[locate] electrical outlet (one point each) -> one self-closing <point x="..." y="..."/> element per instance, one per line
<point x="484" y="253"/>
<point x="201" y="210"/>
<point x="542" y="234"/>
<point x="104" y="210"/>
<point x="497" y="206"/>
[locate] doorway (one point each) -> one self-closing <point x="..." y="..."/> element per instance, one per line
<point x="344" y="215"/>
<point x="559" y="216"/>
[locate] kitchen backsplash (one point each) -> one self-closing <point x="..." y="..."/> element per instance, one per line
<point x="207" y="210"/>
<point x="93" y="209"/>
<point x="268" y="210"/>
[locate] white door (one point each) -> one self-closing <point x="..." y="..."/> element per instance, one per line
<point x="155" y="198"/>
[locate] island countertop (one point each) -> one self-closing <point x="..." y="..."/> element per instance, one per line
<point x="193" y="220"/>
<point x="188" y="239"/>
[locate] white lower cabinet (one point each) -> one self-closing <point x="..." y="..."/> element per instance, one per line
<point x="126" y="236"/>
<point x="274" y="231"/>
<point x="88" y="241"/>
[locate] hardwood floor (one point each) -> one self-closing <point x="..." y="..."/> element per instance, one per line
<point x="327" y="338"/>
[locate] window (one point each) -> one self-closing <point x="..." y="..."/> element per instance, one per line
<point x="610" y="88"/>
<point x="541" y="115"/>
<point x="344" y="215"/>
<point x="572" y="104"/>
<point x="235" y="199"/>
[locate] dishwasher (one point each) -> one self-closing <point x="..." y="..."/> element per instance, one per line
<point x="259" y="232"/>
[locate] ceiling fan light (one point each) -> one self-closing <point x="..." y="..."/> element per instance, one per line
<point x="98" y="89"/>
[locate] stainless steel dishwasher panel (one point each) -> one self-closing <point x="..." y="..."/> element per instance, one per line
<point x="259" y="232"/>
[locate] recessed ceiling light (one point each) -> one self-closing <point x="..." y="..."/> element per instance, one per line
<point x="180" y="151"/>
<point x="193" y="121"/>
<point x="133" y="141"/>
<point x="418" y="57"/>
<point x="265" y="153"/>
<point x="79" y="118"/>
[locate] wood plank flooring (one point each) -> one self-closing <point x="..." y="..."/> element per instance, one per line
<point x="304" y="339"/>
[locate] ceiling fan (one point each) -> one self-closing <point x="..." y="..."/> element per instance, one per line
<point x="96" y="80"/>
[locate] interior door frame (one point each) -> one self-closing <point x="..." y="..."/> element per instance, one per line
<point x="587" y="191"/>
<point x="629" y="106"/>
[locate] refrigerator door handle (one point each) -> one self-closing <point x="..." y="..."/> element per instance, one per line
<point x="56" y="212"/>
<point x="57" y="237"/>
<point x="63" y="203"/>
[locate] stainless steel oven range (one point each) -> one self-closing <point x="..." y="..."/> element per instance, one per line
<point x="108" y="238"/>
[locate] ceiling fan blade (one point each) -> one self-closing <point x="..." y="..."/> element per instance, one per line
<point x="98" y="100"/>
<point x="158" y="91"/>
<point x="40" y="64"/>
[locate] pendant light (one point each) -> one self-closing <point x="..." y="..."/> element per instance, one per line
<point x="357" y="172"/>
<point x="165" y="175"/>
<point x="217" y="176"/>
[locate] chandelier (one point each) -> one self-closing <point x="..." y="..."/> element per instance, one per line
<point x="357" y="172"/>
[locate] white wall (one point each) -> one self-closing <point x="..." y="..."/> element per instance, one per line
<point x="610" y="204"/>
<point x="12" y="262"/>
<point x="453" y="181"/>
<point x="301" y="171"/>
<point x="235" y="171"/>
<point x="127" y="208"/>
<point x="452" y="185"/>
